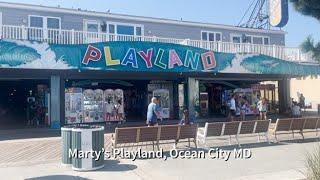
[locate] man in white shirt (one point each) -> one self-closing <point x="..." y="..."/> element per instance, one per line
<point x="232" y="108"/>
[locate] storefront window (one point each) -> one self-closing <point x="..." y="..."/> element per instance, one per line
<point x="210" y="36"/>
<point x="236" y="39"/>
<point x="138" y="31"/>
<point x="204" y="36"/>
<point x="125" y="30"/>
<point x="53" y="23"/>
<point x="111" y="29"/>
<point x="257" y="40"/>
<point x="36" y="21"/>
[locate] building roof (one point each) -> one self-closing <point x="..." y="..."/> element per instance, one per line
<point x="133" y="17"/>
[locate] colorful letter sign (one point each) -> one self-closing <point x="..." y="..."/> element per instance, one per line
<point x="92" y="54"/>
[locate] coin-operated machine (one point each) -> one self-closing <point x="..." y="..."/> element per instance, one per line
<point x="204" y="104"/>
<point x="73" y="105"/>
<point x="164" y="102"/>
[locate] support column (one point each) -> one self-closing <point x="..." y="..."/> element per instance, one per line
<point x="57" y="100"/>
<point x="193" y="97"/>
<point x="284" y="95"/>
<point x="175" y="100"/>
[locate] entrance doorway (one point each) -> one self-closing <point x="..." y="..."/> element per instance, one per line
<point x="24" y="103"/>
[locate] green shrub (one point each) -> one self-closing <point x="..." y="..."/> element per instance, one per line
<point x="313" y="165"/>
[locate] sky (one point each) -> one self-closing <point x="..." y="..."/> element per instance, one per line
<point x="212" y="11"/>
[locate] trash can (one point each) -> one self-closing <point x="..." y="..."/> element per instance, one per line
<point x="66" y="132"/>
<point x="88" y="140"/>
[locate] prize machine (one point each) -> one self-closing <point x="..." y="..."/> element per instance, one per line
<point x="73" y="106"/>
<point x="164" y="102"/>
<point x="204" y="104"/>
<point x="93" y="105"/>
<point x="246" y="97"/>
<point x="113" y="105"/>
<point x="119" y="105"/>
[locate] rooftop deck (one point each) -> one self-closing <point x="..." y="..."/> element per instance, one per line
<point x="62" y="36"/>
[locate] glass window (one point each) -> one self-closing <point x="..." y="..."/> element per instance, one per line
<point x="266" y="41"/>
<point x="53" y="23"/>
<point x="246" y="39"/>
<point x="111" y="29"/>
<point x="211" y="36"/>
<point x="126" y="30"/>
<point x="236" y="39"/>
<point x="36" y="21"/>
<point x="204" y="36"/>
<point x="138" y="31"/>
<point x="92" y="27"/>
<point x="257" y="40"/>
<point x="218" y="37"/>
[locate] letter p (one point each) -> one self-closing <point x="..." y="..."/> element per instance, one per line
<point x="92" y="54"/>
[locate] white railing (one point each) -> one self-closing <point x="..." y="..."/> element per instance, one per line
<point x="59" y="36"/>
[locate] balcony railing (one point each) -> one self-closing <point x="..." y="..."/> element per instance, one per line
<point x="59" y="36"/>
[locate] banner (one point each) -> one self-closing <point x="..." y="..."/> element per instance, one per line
<point x="141" y="57"/>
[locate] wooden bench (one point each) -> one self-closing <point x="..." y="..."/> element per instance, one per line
<point x="235" y="128"/>
<point x="291" y="125"/>
<point x="132" y="136"/>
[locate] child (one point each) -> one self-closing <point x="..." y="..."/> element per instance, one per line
<point x="185" y="118"/>
<point x="243" y="109"/>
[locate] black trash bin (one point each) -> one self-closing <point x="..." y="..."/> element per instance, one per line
<point x="86" y="139"/>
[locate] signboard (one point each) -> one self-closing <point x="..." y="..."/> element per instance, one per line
<point x="278" y="13"/>
<point x="141" y="57"/>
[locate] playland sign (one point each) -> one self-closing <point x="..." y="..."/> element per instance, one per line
<point x="141" y="57"/>
<point x="150" y="58"/>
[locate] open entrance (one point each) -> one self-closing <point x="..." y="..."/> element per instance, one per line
<point x="24" y="103"/>
<point x="215" y="97"/>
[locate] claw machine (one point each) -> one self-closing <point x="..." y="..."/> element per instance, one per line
<point x="114" y="105"/>
<point x="93" y="105"/>
<point x="164" y="102"/>
<point x="73" y="106"/>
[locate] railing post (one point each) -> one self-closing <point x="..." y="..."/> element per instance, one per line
<point x="274" y="50"/>
<point x="248" y="48"/>
<point x="154" y="39"/>
<point x="72" y="36"/>
<point x="299" y="55"/>
<point x="188" y="42"/>
<point x="23" y="32"/>
<point x="1" y="29"/>
<point x="45" y="33"/>
<point x="107" y="37"/>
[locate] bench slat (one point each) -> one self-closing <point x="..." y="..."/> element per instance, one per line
<point x="231" y="128"/>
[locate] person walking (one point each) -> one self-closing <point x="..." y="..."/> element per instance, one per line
<point x="262" y="106"/>
<point x="232" y="108"/>
<point x="243" y="108"/>
<point x="302" y="100"/>
<point x="152" y="113"/>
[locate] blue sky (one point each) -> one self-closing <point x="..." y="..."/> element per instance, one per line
<point x="213" y="11"/>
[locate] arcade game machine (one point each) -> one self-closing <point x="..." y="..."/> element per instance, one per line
<point x="73" y="105"/>
<point x="164" y="102"/>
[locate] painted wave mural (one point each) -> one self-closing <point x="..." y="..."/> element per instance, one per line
<point x="142" y="57"/>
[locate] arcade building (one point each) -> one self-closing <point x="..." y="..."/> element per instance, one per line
<point x="63" y="66"/>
